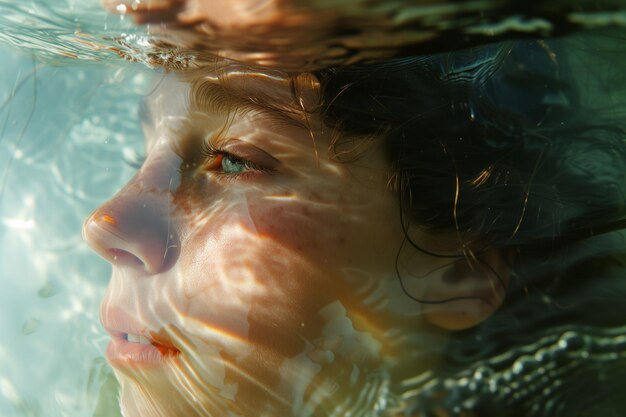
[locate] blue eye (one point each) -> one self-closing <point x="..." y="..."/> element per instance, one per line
<point x="232" y="165"/>
<point x="225" y="164"/>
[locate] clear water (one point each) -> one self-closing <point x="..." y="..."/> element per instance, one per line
<point x="70" y="138"/>
<point x="66" y="134"/>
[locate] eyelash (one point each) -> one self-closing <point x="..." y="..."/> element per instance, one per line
<point x="210" y="152"/>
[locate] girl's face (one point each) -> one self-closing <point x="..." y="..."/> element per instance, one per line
<point x="253" y="275"/>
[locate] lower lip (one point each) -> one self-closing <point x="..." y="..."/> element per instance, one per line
<point x="121" y="352"/>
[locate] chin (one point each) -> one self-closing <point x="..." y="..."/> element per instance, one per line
<point x="138" y="400"/>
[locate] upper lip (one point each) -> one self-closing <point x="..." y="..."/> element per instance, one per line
<point x="118" y="323"/>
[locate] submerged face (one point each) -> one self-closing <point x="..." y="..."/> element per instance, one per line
<point x="256" y="275"/>
<point x="252" y="273"/>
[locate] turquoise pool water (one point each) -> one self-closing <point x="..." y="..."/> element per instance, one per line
<point x="69" y="136"/>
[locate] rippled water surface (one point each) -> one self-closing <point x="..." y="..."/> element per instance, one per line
<point x="70" y="138"/>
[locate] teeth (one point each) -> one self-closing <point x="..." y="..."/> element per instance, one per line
<point x="134" y="338"/>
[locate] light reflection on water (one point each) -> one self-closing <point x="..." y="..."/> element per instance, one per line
<point x="64" y="133"/>
<point x="57" y="29"/>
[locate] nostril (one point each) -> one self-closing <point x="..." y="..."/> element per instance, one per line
<point x="122" y="257"/>
<point x="131" y="233"/>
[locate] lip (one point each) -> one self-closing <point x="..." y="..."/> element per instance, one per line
<point x="122" y="353"/>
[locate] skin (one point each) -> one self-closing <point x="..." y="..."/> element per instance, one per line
<point x="270" y="268"/>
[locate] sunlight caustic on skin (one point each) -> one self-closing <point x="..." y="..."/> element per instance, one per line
<point x="247" y="260"/>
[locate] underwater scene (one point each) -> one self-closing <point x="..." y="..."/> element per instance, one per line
<point x="290" y="208"/>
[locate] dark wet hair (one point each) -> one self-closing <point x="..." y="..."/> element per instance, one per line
<point x="493" y="142"/>
<point x="519" y="146"/>
<point x="498" y="143"/>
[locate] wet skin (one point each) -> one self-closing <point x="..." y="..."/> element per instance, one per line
<point x="242" y="260"/>
<point x="261" y="269"/>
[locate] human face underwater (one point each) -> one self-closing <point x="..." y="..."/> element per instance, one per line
<point x="242" y="258"/>
<point x="254" y="273"/>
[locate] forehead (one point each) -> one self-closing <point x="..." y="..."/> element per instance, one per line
<point x="276" y="87"/>
<point x="230" y="89"/>
<point x="164" y="107"/>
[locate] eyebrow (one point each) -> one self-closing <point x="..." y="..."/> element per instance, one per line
<point x="211" y="97"/>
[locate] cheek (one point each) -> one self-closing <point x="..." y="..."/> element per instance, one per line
<point x="253" y="298"/>
<point x="325" y="225"/>
<point x="232" y="272"/>
<point x="303" y="229"/>
<point x="263" y="265"/>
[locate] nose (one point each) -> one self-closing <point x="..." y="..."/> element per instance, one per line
<point x="136" y="228"/>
